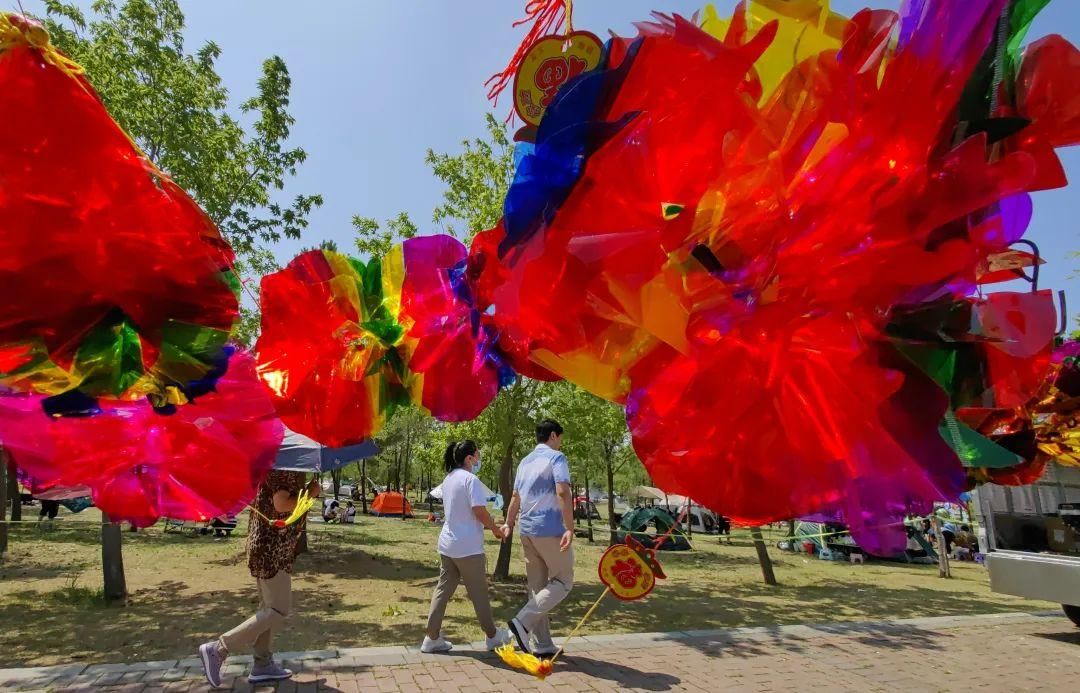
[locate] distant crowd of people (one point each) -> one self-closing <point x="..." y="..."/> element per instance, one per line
<point x="960" y="545"/>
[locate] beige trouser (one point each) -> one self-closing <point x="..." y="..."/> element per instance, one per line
<point x="275" y="601"/>
<point x="550" y="574"/>
<point x="472" y="570"/>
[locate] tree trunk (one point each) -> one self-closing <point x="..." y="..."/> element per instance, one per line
<point x="3" y="504"/>
<point x="363" y="485"/>
<point x="943" y="555"/>
<point x="335" y="478"/>
<point x="502" y="564"/>
<point x="763" y="556"/>
<point x="611" y="500"/>
<point x="13" y="491"/>
<point x="791" y="527"/>
<point x="588" y="505"/>
<point x="112" y="561"/>
<point x="405" y="481"/>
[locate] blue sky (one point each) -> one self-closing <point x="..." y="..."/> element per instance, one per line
<point x="375" y="84"/>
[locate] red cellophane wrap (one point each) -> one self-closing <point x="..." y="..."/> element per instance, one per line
<point x="326" y="367"/>
<point x="447" y="344"/>
<point x="92" y="230"/>
<point x="205" y="459"/>
<point x="729" y="262"/>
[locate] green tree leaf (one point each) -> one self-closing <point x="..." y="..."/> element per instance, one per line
<point x="174" y="106"/>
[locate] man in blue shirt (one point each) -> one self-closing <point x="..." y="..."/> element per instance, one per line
<point x="543" y="508"/>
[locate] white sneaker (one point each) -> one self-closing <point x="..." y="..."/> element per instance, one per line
<point x="501" y="637"/>
<point x="440" y="644"/>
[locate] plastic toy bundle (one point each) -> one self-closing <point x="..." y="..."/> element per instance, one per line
<point x="345" y="342"/>
<point x="118" y="303"/>
<point x="115" y="282"/>
<point x="196" y="462"/>
<point x="750" y="234"/>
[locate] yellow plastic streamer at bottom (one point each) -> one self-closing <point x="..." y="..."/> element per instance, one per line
<point x="540" y="668"/>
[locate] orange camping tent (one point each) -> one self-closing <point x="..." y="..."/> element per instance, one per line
<point x="391" y="504"/>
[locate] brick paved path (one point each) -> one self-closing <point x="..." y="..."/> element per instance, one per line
<point x="1003" y="652"/>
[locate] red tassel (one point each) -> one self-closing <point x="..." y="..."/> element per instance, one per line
<point x="544" y="14"/>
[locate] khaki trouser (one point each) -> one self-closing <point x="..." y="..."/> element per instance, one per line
<point x="472" y="570"/>
<point x="550" y="574"/>
<point x="275" y="601"/>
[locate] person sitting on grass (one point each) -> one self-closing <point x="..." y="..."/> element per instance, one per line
<point x="349" y="514"/>
<point x="461" y="547"/>
<point x="965" y="545"/>
<point x="331" y="511"/>
<point x="271" y="551"/>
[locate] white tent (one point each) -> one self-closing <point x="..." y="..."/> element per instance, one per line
<point x="648" y="492"/>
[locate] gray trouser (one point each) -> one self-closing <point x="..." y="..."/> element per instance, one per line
<point x="275" y="601"/>
<point x="472" y="570"/>
<point x="550" y="574"/>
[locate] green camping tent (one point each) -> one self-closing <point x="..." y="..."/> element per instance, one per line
<point x="639" y="519"/>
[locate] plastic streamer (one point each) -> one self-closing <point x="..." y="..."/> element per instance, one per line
<point x="545" y="16"/>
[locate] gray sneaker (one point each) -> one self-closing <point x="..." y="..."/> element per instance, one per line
<point x="212" y="658"/>
<point x="261" y="673"/>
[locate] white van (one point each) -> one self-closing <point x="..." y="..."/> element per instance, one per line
<point x="1031" y="538"/>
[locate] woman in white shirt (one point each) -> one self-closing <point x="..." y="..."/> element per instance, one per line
<point x="461" y="547"/>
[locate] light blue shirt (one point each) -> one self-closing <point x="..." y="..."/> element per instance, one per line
<point x="537" y="475"/>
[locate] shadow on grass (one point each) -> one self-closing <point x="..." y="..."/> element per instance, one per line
<point x="42" y="572"/>
<point x="682" y="607"/>
<point x="86" y="533"/>
<point x="369" y="569"/>
<point x="1068" y="637"/>
<point x="171" y="619"/>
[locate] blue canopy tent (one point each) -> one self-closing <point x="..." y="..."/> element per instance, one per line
<point x="298" y="453"/>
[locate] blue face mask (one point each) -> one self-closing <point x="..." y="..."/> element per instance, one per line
<point x="476" y="467"/>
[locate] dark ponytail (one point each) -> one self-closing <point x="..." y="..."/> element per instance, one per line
<point x="456" y="453"/>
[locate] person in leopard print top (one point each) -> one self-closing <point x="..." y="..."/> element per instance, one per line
<point x="271" y="551"/>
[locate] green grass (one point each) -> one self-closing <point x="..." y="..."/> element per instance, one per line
<point x="370" y="584"/>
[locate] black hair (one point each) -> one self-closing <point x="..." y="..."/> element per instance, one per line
<point x="456" y="454"/>
<point x="546" y="428"/>
<point x="965" y="528"/>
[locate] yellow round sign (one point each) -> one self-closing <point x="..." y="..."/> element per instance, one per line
<point x="548" y="64"/>
<point x="626" y="573"/>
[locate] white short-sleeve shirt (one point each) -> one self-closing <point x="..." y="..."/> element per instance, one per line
<point x="462" y="534"/>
